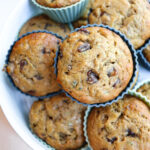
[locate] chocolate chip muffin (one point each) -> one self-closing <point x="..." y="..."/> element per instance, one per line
<point x="59" y="122"/>
<point x="146" y="53"/>
<point x="124" y="125"/>
<point x="43" y="22"/>
<point x="31" y="64"/>
<point x="57" y="3"/>
<point x="94" y="65"/>
<point x="145" y="90"/>
<point x="122" y="15"/>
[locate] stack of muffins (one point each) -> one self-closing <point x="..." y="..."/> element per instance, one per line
<point x="83" y="79"/>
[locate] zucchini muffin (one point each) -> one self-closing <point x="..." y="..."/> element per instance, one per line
<point x="31" y="64"/>
<point x="57" y="3"/>
<point x="145" y="90"/>
<point x="59" y="122"/>
<point x="94" y="65"/>
<point x="146" y="53"/>
<point x="131" y="17"/>
<point x="43" y="22"/>
<point x="124" y="125"/>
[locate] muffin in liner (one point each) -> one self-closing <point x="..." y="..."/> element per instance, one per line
<point x="132" y="93"/>
<point x="7" y="61"/>
<point x="64" y="14"/>
<point x="135" y="67"/>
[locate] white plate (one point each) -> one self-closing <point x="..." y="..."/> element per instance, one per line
<point x="15" y="105"/>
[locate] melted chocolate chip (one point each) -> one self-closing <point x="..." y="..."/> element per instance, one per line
<point x="31" y="92"/>
<point x="45" y="51"/>
<point x="32" y="24"/>
<point x="62" y="136"/>
<point x="38" y="77"/>
<point x="116" y="83"/>
<point x="47" y="25"/>
<point x="112" y="140"/>
<point x="66" y="101"/>
<point x="84" y="47"/>
<point x="60" y="54"/>
<point x="112" y="72"/>
<point x="130" y="133"/>
<point x="84" y="30"/>
<point x="23" y="62"/>
<point x="50" y="117"/>
<point x="92" y="77"/>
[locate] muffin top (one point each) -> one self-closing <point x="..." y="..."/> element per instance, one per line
<point x="146" y="53"/>
<point x="94" y="65"/>
<point x="123" y="15"/>
<point x="145" y="90"/>
<point x="58" y="121"/>
<point x="43" y="22"/>
<point x="31" y="61"/>
<point x="124" y="125"/>
<point x="57" y="3"/>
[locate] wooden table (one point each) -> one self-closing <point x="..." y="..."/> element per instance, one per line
<point x="9" y="140"/>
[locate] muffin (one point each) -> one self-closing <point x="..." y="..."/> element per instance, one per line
<point x="122" y="15"/>
<point x="56" y="3"/>
<point x="94" y="65"/>
<point x="121" y="126"/>
<point x="59" y="122"/>
<point x="145" y="90"/>
<point x="30" y="64"/>
<point x="43" y="22"/>
<point x="146" y="53"/>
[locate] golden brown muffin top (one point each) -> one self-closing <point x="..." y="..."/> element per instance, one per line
<point x="57" y="3"/>
<point x="43" y="22"/>
<point x="58" y="121"/>
<point x="95" y="65"/>
<point x="131" y="17"/>
<point x="124" y="125"/>
<point x="31" y="64"/>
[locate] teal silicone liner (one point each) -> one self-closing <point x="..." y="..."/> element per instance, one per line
<point x="135" y="67"/>
<point x="141" y="55"/>
<point x="133" y="93"/>
<point x="140" y="85"/>
<point x="7" y="61"/>
<point x="64" y="14"/>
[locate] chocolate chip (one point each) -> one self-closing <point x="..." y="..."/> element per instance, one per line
<point x="23" y="62"/>
<point x="112" y="140"/>
<point x="47" y="25"/>
<point x="130" y="133"/>
<point x="116" y="82"/>
<point x="38" y="77"/>
<point x="66" y="101"/>
<point x="84" y="30"/>
<point x="60" y="55"/>
<point x="62" y="136"/>
<point x="45" y="51"/>
<point x="50" y="117"/>
<point x="31" y="92"/>
<point x="32" y="24"/>
<point x="84" y="47"/>
<point x="92" y="77"/>
<point x="112" y="72"/>
<point x="71" y="130"/>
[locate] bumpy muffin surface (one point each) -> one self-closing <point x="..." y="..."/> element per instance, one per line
<point x="43" y="22"/>
<point x="131" y="17"/>
<point x="57" y="3"/>
<point x="146" y="53"/>
<point x="58" y="121"/>
<point x="124" y="125"/>
<point x="145" y="90"/>
<point x="94" y="65"/>
<point x="31" y="61"/>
